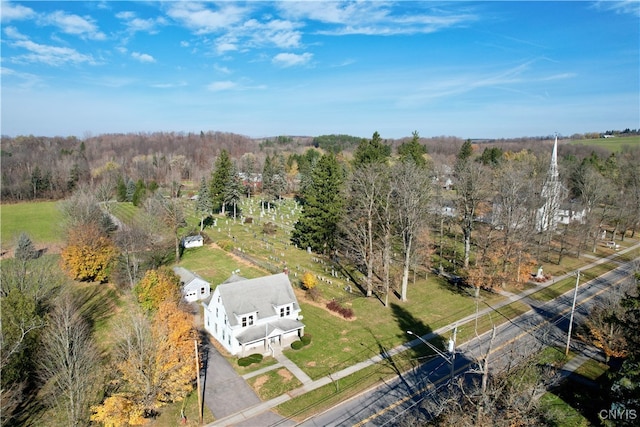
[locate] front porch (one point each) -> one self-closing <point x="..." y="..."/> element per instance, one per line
<point x="270" y="337"/>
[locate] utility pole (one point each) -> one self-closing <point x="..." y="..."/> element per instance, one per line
<point x="573" y="308"/>
<point x="452" y="351"/>
<point x="198" y="382"/>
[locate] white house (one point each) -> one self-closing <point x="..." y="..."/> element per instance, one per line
<point x="254" y="315"/>
<point x="192" y="242"/>
<point x="194" y="287"/>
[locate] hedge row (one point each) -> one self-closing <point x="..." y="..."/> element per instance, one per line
<point x="252" y="358"/>
<point x="303" y="341"/>
<point x="345" y="312"/>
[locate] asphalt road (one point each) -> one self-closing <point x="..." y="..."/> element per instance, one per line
<point x="545" y="325"/>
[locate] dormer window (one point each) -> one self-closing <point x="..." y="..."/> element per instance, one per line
<point x="285" y="311"/>
<point x="247" y="320"/>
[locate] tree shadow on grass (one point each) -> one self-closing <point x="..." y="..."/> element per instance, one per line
<point x="96" y="303"/>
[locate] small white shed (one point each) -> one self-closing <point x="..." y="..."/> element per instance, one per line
<point x="192" y="242"/>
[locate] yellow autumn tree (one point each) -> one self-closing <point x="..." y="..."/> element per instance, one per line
<point x="155" y="361"/>
<point x="173" y="331"/>
<point x="118" y="411"/>
<point x="156" y="287"/>
<point x="309" y="281"/>
<point x="89" y="253"/>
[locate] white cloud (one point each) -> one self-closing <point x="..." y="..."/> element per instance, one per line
<point x="13" y="33"/>
<point x="281" y="33"/>
<point x="203" y="20"/>
<point x="291" y="59"/>
<point x="142" y="57"/>
<point x="135" y="24"/>
<point x="51" y="55"/>
<point x="222" y="69"/>
<point x="221" y="86"/>
<point x="631" y="7"/>
<point x="169" y="85"/>
<point x="11" y="12"/>
<point x="224" y="46"/>
<point x="374" y="18"/>
<point x="26" y="80"/>
<point x="75" y="25"/>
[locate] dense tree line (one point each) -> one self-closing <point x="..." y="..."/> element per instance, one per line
<point x="51" y="167"/>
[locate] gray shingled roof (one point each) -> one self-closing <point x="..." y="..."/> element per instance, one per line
<point x="260" y="332"/>
<point x="257" y="295"/>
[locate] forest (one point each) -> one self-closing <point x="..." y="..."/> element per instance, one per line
<point x="387" y="208"/>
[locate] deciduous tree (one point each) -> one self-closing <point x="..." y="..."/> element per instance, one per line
<point x="89" y="253"/>
<point x="204" y="204"/>
<point x="360" y="222"/>
<point x="412" y="191"/>
<point x="156" y="287"/>
<point x="69" y="362"/>
<point x="170" y="213"/>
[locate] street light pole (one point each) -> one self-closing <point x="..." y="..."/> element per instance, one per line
<point x="452" y="348"/>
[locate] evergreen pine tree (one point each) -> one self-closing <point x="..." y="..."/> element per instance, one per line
<point x="233" y="191"/>
<point x="371" y="151"/>
<point x="219" y="180"/>
<point x="204" y="204"/>
<point x="317" y="226"/>
<point x="25" y="250"/>
<point x="121" y="190"/>
<point x="413" y="151"/>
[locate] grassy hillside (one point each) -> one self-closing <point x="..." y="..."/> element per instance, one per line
<point x="614" y="144"/>
<point x="38" y="219"/>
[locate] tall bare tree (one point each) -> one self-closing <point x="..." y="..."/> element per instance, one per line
<point x="170" y="213"/>
<point x="69" y="363"/>
<point x="412" y="190"/>
<point x="360" y="222"/>
<point x="472" y="188"/>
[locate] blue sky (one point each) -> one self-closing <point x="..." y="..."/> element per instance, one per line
<point x="467" y="69"/>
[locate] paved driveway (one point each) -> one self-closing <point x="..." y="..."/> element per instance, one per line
<point x="225" y="392"/>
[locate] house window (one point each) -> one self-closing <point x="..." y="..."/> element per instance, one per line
<point x="285" y="311"/>
<point x="247" y="320"/>
<point x="202" y="290"/>
<point x="216" y="312"/>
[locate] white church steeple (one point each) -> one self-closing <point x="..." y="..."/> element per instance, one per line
<point x="551" y="194"/>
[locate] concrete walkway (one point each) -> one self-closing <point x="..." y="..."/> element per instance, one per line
<point x="242" y="417"/>
<point x="293" y="368"/>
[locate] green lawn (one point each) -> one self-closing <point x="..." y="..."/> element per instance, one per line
<point x="274" y="383"/>
<point x="614" y="144"/>
<point x="40" y="220"/>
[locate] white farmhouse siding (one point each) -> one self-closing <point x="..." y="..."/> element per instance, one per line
<point x="192" y="242"/>
<point x="254" y="315"/>
<point x="194" y="287"/>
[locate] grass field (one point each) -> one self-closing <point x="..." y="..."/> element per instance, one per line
<point x="613" y="144"/>
<point x="337" y="343"/>
<point x="39" y="220"/>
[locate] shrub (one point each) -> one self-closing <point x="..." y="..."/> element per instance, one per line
<point x="313" y="294"/>
<point x="250" y="359"/>
<point x="297" y="345"/>
<point x="309" y="281"/>
<point x="226" y="245"/>
<point x="269" y="228"/>
<point x="335" y="306"/>
<point x="306" y="339"/>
